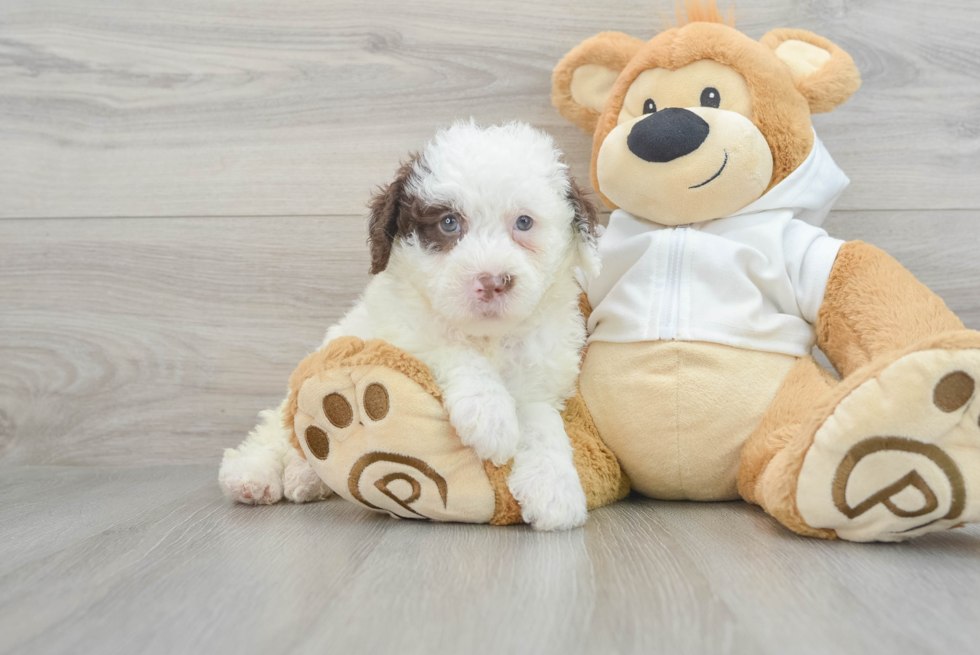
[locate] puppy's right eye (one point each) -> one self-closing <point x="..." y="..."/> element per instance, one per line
<point x="449" y="224"/>
<point x="649" y="106"/>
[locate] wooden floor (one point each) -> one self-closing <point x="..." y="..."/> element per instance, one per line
<point x="181" y="216"/>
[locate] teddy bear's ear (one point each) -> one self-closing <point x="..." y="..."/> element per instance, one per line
<point x="822" y="72"/>
<point x="583" y="79"/>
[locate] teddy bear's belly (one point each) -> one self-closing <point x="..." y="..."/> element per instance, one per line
<point x="677" y="413"/>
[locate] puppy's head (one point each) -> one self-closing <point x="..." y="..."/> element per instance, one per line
<point x="482" y="223"/>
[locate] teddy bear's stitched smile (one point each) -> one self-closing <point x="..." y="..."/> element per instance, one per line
<point x="713" y="177"/>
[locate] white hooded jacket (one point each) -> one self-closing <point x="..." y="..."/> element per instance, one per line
<point x="754" y="279"/>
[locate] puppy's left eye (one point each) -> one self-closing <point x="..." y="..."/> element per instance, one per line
<point x="710" y="97"/>
<point x="524" y="223"/>
<point x="449" y="224"/>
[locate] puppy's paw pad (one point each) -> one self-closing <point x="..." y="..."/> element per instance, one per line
<point x="900" y="455"/>
<point x="301" y="484"/>
<point x="250" y="481"/>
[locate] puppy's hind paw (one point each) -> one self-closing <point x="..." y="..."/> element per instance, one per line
<point x="487" y="423"/>
<point x="300" y="482"/>
<point x="249" y="479"/>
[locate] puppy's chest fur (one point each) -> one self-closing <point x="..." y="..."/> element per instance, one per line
<point x="503" y="353"/>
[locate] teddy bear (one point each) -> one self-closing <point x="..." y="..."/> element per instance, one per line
<point x="717" y="281"/>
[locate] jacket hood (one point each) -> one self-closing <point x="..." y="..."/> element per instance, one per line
<point x="810" y="191"/>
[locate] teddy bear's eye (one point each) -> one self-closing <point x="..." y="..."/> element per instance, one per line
<point x="649" y="106"/>
<point x="710" y="97"/>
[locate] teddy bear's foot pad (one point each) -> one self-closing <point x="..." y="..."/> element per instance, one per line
<point x="381" y="441"/>
<point x="899" y="456"/>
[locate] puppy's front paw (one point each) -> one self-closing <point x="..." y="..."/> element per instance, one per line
<point x="250" y="479"/>
<point x="487" y="422"/>
<point x="549" y="492"/>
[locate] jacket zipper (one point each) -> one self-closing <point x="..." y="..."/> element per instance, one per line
<point x="670" y="306"/>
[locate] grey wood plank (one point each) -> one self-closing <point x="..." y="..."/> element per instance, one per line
<point x="161" y="337"/>
<point x="156" y="341"/>
<point x="190" y="572"/>
<point x="240" y="107"/>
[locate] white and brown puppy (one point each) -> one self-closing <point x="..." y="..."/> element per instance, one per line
<point x="474" y="249"/>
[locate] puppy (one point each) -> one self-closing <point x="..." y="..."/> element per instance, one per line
<point x="475" y="248"/>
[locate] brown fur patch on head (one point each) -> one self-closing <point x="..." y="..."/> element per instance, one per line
<point x="586" y="216"/>
<point x="395" y="211"/>
<point x="385" y="209"/>
<point x="425" y="220"/>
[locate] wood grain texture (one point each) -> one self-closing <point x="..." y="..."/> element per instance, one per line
<point x="154" y="341"/>
<point x="251" y="107"/>
<point x="154" y="560"/>
<point x="183" y="186"/>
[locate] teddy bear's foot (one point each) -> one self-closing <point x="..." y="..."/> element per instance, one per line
<point x="380" y="440"/>
<point x="899" y="455"/>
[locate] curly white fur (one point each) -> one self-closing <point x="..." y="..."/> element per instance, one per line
<point x="505" y="369"/>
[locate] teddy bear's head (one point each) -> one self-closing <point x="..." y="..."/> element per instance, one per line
<point x="701" y="120"/>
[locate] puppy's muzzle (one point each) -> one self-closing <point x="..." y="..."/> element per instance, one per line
<point x="489" y="286"/>
<point x="666" y="135"/>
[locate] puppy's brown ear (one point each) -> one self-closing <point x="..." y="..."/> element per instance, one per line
<point x="586" y="223"/>
<point x="385" y="207"/>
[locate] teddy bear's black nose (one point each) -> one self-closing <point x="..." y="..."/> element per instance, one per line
<point x="665" y="135"/>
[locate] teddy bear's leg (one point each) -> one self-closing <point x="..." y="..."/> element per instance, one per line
<point x="873" y="307"/>
<point x="806" y="384"/>
<point x="893" y="450"/>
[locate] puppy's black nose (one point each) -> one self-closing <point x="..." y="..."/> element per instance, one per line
<point x="665" y="135"/>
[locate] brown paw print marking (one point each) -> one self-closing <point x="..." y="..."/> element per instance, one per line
<point x="376" y="402"/>
<point x="913" y="479"/>
<point x="338" y="410"/>
<point x="354" y="480"/>
<point x="953" y="391"/>
<point x="318" y="442"/>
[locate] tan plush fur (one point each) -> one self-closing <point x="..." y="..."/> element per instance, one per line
<point x="781" y="422"/>
<point x="780" y="112"/>
<point x="874" y="313"/>
<point x="781" y="103"/>
<point x="613" y="50"/>
<point x="602" y="479"/>
<point x="833" y="83"/>
<point x="776" y="488"/>
<point x="676" y="415"/>
<point x="874" y="305"/>
<point x="694" y="11"/>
